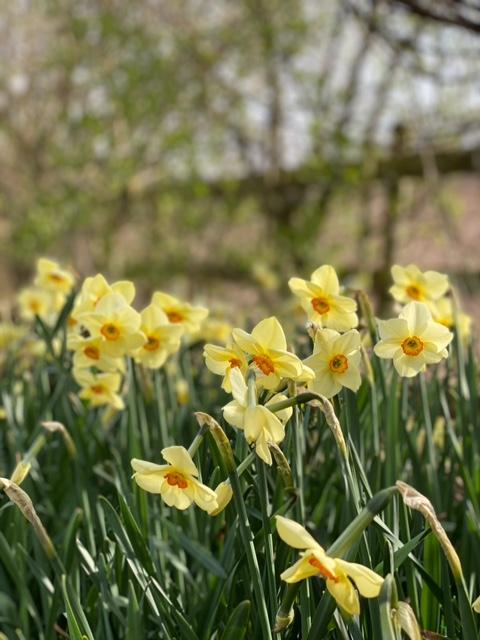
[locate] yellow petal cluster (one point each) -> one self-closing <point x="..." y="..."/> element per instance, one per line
<point x="162" y="338"/>
<point x="46" y="298"/>
<point x="335" y="361"/>
<point x="413" y="340"/>
<point x="337" y="573"/>
<point x="222" y="361"/>
<point x="259" y="424"/>
<point x="411" y="284"/>
<point x="267" y="347"/>
<point x="176" y="482"/>
<point x="180" y="312"/>
<point x="320" y="298"/>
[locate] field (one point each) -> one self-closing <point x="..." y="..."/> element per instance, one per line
<point x="346" y="448"/>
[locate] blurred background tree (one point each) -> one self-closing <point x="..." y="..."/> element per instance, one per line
<point x="200" y="144"/>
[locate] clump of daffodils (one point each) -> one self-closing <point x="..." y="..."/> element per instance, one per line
<point x="47" y="296"/>
<point x="105" y="329"/>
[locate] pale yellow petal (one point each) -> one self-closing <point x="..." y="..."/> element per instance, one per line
<point x="345" y="594"/>
<point x="326" y="278"/>
<point x="367" y="581"/>
<point x="296" y="536"/>
<point x="269" y="334"/>
<point x="179" y="458"/>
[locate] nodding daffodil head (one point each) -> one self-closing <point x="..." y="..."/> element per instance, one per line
<point x="337" y="573"/>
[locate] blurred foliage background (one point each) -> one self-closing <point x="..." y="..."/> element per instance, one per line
<point x="204" y="146"/>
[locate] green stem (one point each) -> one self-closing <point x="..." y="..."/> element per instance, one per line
<point x="247" y="539"/>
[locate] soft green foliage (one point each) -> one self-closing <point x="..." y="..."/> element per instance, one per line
<point x="127" y="566"/>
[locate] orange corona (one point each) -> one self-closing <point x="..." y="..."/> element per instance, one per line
<point x="320" y="305"/>
<point x="321" y="569"/>
<point x="265" y="364"/>
<point x="176" y="479"/>
<point x="412" y="346"/>
<point x="338" y="364"/>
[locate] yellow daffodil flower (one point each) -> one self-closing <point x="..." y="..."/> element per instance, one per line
<point x="180" y="312"/>
<point x="259" y="424"/>
<point x="177" y="482"/>
<point x="268" y="347"/>
<point x="413" y="340"/>
<point x="443" y="312"/>
<point x="320" y="298"/>
<point x="222" y="360"/>
<point x="412" y="284"/>
<point x="10" y="334"/>
<point x="34" y="301"/>
<point x="335" y="361"/>
<point x="99" y="389"/>
<point x="119" y="325"/>
<point x="90" y="352"/>
<point x="162" y="338"/>
<point x="52" y="277"/>
<point x="338" y="573"/>
<point x="95" y="288"/>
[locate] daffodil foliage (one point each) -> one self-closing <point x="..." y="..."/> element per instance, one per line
<point x="165" y="473"/>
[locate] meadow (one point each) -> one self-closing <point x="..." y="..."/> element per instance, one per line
<point x="166" y="475"/>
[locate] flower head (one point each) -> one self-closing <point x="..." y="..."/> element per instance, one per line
<point x="90" y="352"/>
<point x="177" y="482"/>
<point x="338" y="573"/>
<point x="162" y="338"/>
<point x="259" y="424"/>
<point x="95" y="288"/>
<point x="99" y="389"/>
<point x="412" y="284"/>
<point x="222" y="361"/>
<point x="268" y="347"/>
<point x="35" y="301"/>
<point x="51" y="277"/>
<point x="180" y="312"/>
<point x="320" y="298"/>
<point x="413" y="340"/>
<point x="118" y="324"/>
<point x="443" y="311"/>
<point x="335" y="361"/>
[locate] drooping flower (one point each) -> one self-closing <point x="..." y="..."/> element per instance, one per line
<point x="320" y="298"/>
<point x="412" y="284"/>
<point x="222" y="360"/>
<point x="99" y="389"/>
<point x="259" y="424"/>
<point x="177" y="482"/>
<point x="119" y="325"/>
<point x="224" y="493"/>
<point x="338" y="573"/>
<point x="162" y="338"/>
<point x="268" y="347"/>
<point x="413" y="340"/>
<point x="52" y="277"/>
<point x="335" y="362"/>
<point x="180" y="312"/>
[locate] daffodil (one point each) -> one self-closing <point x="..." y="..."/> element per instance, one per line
<point x="99" y="389"/>
<point x="335" y="361"/>
<point x="413" y="340"/>
<point x="259" y="424"/>
<point x="443" y="312"/>
<point x="162" y="338"/>
<point x="268" y="347"/>
<point x="320" y="298"/>
<point x="119" y="325"/>
<point x="180" y="312"/>
<point x="177" y="482"/>
<point x="95" y="288"/>
<point x="34" y="301"/>
<point x="222" y="360"/>
<point x="52" y="277"/>
<point x="90" y="352"/>
<point x="337" y="573"/>
<point x="412" y="284"/>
